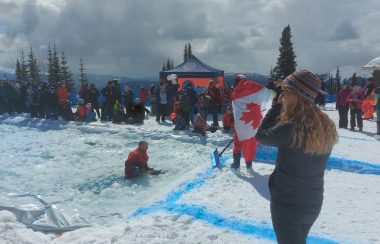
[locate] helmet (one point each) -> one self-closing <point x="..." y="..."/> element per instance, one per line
<point x="240" y="77"/>
<point x="173" y="115"/>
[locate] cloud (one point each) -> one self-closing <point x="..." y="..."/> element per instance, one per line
<point x="344" y="31"/>
<point x="136" y="37"/>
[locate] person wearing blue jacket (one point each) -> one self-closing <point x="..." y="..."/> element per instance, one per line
<point x="304" y="136"/>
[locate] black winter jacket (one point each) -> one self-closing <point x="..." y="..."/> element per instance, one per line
<point x="298" y="177"/>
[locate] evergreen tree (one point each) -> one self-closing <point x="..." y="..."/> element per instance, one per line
<point x="164" y="67"/>
<point x="42" y="72"/>
<point x="171" y="64"/>
<point x="18" y="71"/>
<point x="34" y="72"/>
<point x="23" y="68"/>
<point x="50" y="70"/>
<point x="272" y="75"/>
<point x="286" y="63"/>
<point x="337" y="79"/>
<point x="189" y="52"/>
<point x="354" y="80"/>
<point x="185" y="54"/>
<point x="337" y="75"/>
<point x="82" y="76"/>
<point x="168" y="65"/>
<point x="56" y="66"/>
<point x="66" y="73"/>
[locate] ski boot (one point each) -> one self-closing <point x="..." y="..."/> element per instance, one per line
<point x="249" y="165"/>
<point x="236" y="163"/>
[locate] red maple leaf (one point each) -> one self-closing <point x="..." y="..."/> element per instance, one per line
<point x="253" y="114"/>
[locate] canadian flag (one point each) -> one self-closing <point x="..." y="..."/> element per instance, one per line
<point x="250" y="102"/>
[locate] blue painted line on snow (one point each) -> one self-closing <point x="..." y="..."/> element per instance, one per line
<point x="245" y="227"/>
<point x="268" y="155"/>
<point x="261" y="231"/>
<point x="356" y="139"/>
<point x="176" y="195"/>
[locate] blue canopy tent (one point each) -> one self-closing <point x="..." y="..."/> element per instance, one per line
<point x="196" y="72"/>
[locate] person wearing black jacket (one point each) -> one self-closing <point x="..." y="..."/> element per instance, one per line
<point x="106" y="114"/>
<point x="93" y="96"/>
<point x="137" y="113"/>
<point x="304" y="136"/>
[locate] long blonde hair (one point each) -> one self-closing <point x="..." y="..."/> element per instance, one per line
<point x="312" y="129"/>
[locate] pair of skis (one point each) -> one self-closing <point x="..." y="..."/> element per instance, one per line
<point x="156" y="171"/>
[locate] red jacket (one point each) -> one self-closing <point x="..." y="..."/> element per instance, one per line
<point x="214" y="94"/>
<point x="228" y="120"/>
<point x="143" y="95"/>
<point x="81" y="111"/>
<point x="355" y="99"/>
<point x="135" y="158"/>
<point x="62" y="95"/>
<point x="342" y="96"/>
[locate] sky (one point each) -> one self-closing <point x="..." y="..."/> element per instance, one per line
<point x="135" y="37"/>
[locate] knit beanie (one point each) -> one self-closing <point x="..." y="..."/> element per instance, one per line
<point x="304" y="83"/>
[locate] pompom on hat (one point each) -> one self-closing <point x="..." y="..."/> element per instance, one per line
<point x="304" y="83"/>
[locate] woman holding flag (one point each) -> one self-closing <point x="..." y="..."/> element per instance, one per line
<point x="304" y="136"/>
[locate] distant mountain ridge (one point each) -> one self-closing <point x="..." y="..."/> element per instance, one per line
<point x="229" y="78"/>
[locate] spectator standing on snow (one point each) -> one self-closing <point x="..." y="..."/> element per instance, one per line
<point x="368" y="106"/>
<point x="52" y="103"/>
<point x="128" y="99"/>
<point x="62" y="96"/>
<point x="214" y="102"/>
<point x="144" y="94"/>
<point x="115" y="92"/>
<point x="153" y="99"/>
<point x="108" y="102"/>
<point x="183" y="107"/>
<point x="172" y="87"/>
<point x="93" y="96"/>
<point x="236" y="150"/>
<point x="294" y="125"/>
<point x="162" y="102"/>
<point x="355" y="100"/>
<point x="62" y="93"/>
<point x="343" y="106"/>
<point x="42" y="99"/>
<point x="202" y="104"/>
<point x="83" y="92"/>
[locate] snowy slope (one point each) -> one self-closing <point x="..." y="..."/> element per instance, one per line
<point x="81" y="165"/>
<point x="346" y="72"/>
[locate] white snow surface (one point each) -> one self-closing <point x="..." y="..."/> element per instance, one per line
<point x="56" y="160"/>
